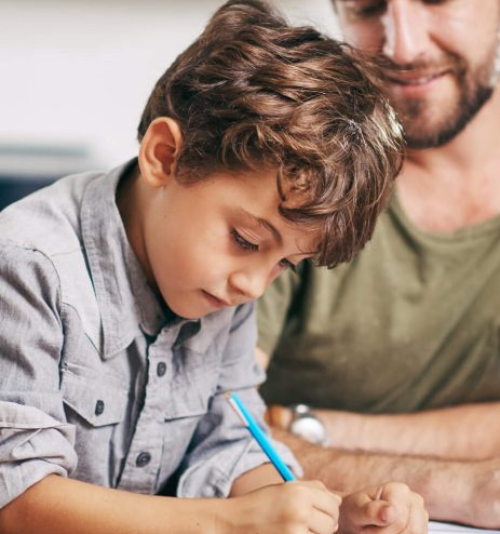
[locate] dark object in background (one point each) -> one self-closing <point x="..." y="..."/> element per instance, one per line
<point x="26" y="168"/>
<point x="12" y="189"/>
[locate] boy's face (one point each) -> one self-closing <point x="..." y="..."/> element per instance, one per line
<point x="219" y="242"/>
<point x="441" y="56"/>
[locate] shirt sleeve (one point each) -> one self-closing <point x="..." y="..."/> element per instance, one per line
<point x="273" y="308"/>
<point x="35" y="439"/>
<point x="224" y="449"/>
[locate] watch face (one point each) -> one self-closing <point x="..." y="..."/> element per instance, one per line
<point x="310" y="429"/>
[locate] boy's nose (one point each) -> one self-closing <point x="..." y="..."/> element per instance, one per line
<point x="405" y="31"/>
<point x="250" y="283"/>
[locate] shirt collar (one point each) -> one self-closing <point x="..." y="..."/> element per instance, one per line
<point x="127" y="303"/>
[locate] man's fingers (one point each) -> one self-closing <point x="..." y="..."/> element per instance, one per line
<point x="378" y="513"/>
<point x="387" y="516"/>
<point x="418" y="522"/>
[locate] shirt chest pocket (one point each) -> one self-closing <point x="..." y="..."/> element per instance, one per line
<point x="185" y="413"/>
<point x="191" y="388"/>
<point x="93" y="401"/>
<point x="187" y="404"/>
<point x="96" y="405"/>
<point x="184" y="416"/>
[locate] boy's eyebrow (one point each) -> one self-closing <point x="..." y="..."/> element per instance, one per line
<point x="255" y="219"/>
<point x="264" y="223"/>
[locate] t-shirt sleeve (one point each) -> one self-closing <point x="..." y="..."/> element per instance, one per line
<point x="273" y="308"/>
<point x="35" y="438"/>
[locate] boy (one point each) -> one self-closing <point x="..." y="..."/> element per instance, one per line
<point x="126" y="310"/>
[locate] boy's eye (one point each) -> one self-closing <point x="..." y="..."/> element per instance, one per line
<point x="366" y="8"/>
<point x="285" y="264"/>
<point x="242" y="242"/>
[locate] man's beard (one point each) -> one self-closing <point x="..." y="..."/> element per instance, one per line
<point x="474" y="90"/>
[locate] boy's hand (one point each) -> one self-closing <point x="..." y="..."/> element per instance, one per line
<point x="291" y="508"/>
<point x="391" y="508"/>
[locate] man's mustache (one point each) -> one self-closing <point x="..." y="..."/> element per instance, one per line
<point x="422" y="66"/>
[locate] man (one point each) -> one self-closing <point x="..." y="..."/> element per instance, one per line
<point x="399" y="351"/>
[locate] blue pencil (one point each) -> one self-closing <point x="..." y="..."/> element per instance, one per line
<point x="259" y="436"/>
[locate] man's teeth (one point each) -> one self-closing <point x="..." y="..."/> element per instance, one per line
<point x="415" y="81"/>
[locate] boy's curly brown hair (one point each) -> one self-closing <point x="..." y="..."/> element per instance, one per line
<point x="253" y="92"/>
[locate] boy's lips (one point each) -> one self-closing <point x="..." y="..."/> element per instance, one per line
<point x="218" y="302"/>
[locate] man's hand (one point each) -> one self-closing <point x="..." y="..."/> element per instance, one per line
<point x="457" y="491"/>
<point x="480" y="490"/>
<point x="391" y="508"/>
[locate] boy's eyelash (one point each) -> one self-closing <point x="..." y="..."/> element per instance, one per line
<point x="242" y="242"/>
<point x="368" y="10"/>
<point x="247" y="245"/>
<point x="288" y="265"/>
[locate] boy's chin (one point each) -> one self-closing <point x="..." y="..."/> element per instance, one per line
<point x="189" y="313"/>
<point x="203" y="304"/>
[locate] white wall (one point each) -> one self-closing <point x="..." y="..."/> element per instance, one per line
<point x="78" y="72"/>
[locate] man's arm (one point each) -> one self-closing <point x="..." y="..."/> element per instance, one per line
<point x="467" y="432"/>
<point x="464" y="492"/>
<point x="456" y="432"/>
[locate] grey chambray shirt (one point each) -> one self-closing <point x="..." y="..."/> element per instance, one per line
<point x="97" y="380"/>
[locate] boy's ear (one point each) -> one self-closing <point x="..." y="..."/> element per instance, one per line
<point x="159" y="150"/>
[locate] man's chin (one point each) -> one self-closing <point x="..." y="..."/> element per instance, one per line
<point x="427" y="126"/>
<point x="430" y="140"/>
<point x="424" y="138"/>
<point x="422" y="133"/>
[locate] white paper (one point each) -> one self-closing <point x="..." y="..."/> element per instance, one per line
<point x="449" y="528"/>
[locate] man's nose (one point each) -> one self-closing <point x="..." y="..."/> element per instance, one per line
<point x="406" y="31"/>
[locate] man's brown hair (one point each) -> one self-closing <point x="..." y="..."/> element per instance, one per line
<point x="252" y="93"/>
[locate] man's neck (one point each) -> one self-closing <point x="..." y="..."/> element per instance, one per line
<point x="457" y="185"/>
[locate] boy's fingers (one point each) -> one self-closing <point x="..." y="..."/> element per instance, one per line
<point x="322" y="523"/>
<point x="325" y="500"/>
<point x="328" y="503"/>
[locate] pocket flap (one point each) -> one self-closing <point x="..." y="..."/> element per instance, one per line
<point x="97" y="401"/>
<point x="182" y="405"/>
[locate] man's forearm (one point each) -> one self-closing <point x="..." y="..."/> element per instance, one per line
<point x="465" y="492"/>
<point x="468" y="432"/>
<point x="457" y="432"/>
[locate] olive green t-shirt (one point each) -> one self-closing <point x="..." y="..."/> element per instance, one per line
<point x="412" y="323"/>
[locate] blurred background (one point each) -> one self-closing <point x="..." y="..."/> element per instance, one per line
<point x="76" y="75"/>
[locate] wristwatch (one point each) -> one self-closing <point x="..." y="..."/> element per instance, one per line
<point x="306" y="425"/>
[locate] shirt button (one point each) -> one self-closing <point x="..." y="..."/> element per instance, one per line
<point x="99" y="407"/>
<point x="143" y="459"/>
<point x="161" y="368"/>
